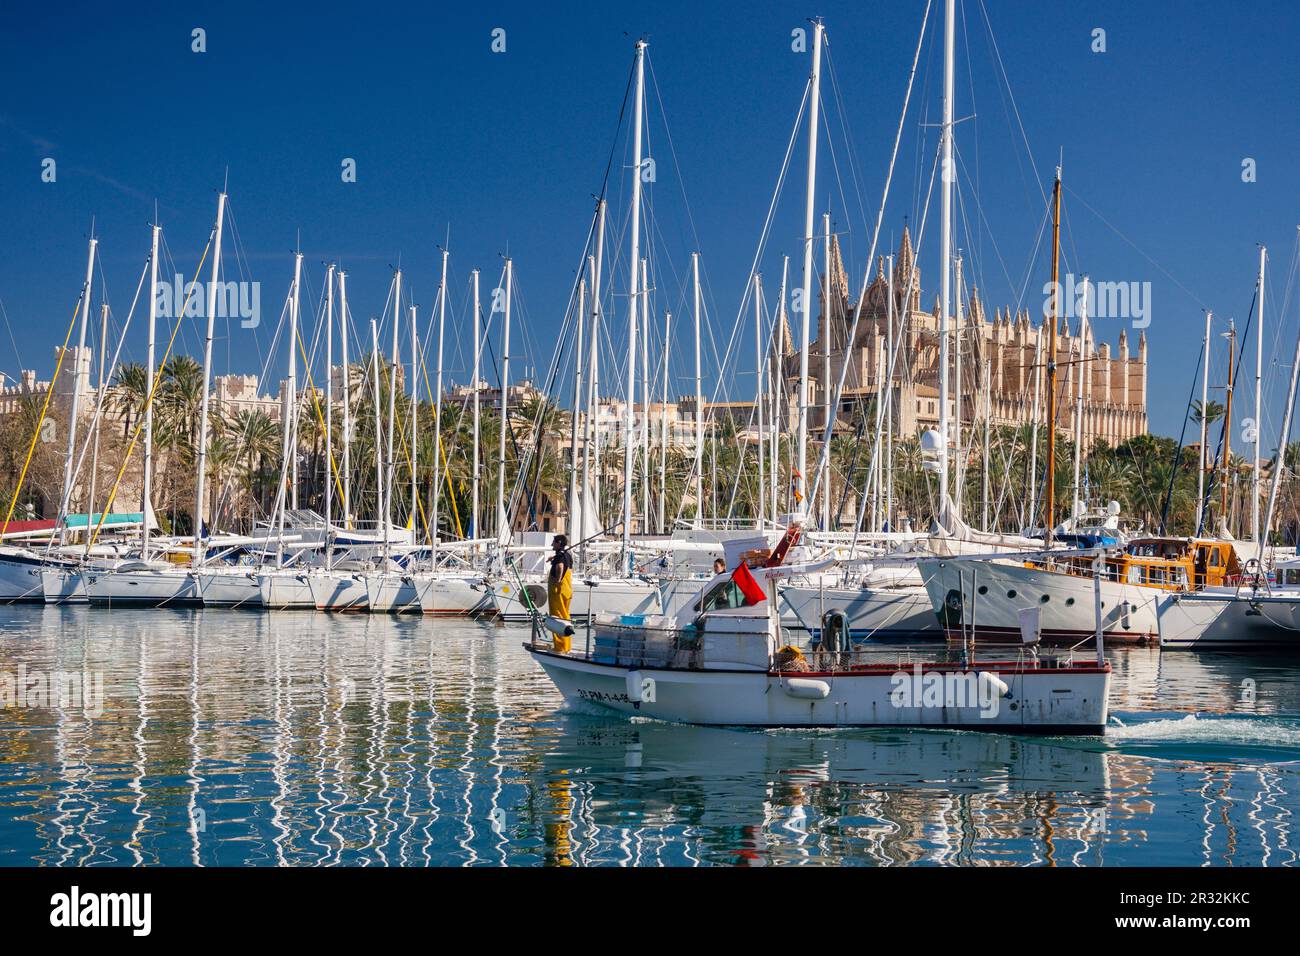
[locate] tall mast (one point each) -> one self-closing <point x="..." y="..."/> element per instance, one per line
<point x="988" y="415"/>
<point x="1049" y="497"/>
<point x="147" y="482"/>
<point x="948" y="174"/>
<point x="292" y="420"/>
<point x="379" y="430"/>
<point x="76" y="392"/>
<point x="634" y="260"/>
<point x="826" y="359"/>
<point x="437" y="415"/>
<point x="645" y="396"/>
<point x="814" y="106"/>
<point x="329" y="417"/>
<point x="758" y="397"/>
<point x="699" y="396"/>
<point x="1280" y="462"/>
<point x="1033" y="430"/>
<point x="595" y="267"/>
<point x="576" y="518"/>
<point x="415" y="408"/>
<point x="392" y="410"/>
<point x="99" y="398"/>
<point x="889" y="397"/>
<point x="478" y="351"/>
<point x="1078" y="403"/>
<point x="1205" y="397"/>
<point x="347" y="399"/>
<point x="1227" y="428"/>
<point x="778" y="386"/>
<point x="663" y="431"/>
<point x="959" y="460"/>
<point x="1259" y="417"/>
<point x="199" y="549"/>
<point x="503" y="527"/>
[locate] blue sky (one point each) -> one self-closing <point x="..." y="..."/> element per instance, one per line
<point x="506" y="151"/>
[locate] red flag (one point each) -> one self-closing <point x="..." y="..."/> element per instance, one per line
<point x="749" y="586"/>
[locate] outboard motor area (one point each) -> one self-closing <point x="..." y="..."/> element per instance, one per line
<point x="951" y="614"/>
<point x="835" y="634"/>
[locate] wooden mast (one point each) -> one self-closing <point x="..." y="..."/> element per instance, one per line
<point x="1049" y="499"/>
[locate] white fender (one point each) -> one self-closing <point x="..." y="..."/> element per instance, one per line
<point x="640" y="689"/>
<point x="997" y="683"/>
<point x="804" y="688"/>
<point x="558" y="625"/>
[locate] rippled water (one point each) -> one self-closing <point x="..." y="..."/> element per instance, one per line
<point x="234" y="738"/>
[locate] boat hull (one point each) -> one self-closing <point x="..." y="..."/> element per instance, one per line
<point x="142" y="588"/>
<point x="986" y="598"/>
<point x="63" y="586"/>
<point x="20" y="577"/>
<point x="232" y="589"/>
<point x="336" y="591"/>
<point x="392" y="594"/>
<point x="1228" y="620"/>
<point x="452" y="595"/>
<point x="1067" y="700"/>
<point x="286" y="590"/>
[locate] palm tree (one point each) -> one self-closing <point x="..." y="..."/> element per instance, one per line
<point x="129" y="395"/>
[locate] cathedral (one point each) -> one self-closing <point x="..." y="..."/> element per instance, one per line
<point x="1000" y="361"/>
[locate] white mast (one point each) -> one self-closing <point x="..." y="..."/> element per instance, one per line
<point x="478" y="352"/>
<point x="595" y="266"/>
<point x="329" y="417"/>
<point x="414" y="451"/>
<point x="437" y="416"/>
<point x="1259" y="418"/>
<point x="699" y="396"/>
<point x="292" y="419"/>
<point x="1079" y="372"/>
<point x="645" y="396"/>
<point x="76" y="392"/>
<point x="99" y="398"/>
<point x="379" y="426"/>
<point x="1205" y="397"/>
<point x="503" y="528"/>
<point x="758" y="399"/>
<point x="948" y="173"/>
<point x="959" y="460"/>
<point x="814" y="105"/>
<point x="199" y="549"/>
<point x="778" y="387"/>
<point x="1033" y="433"/>
<point x="577" y="517"/>
<point x="1280" y="462"/>
<point x="826" y="358"/>
<point x="392" y="410"/>
<point x="147" y="481"/>
<point x="663" y="432"/>
<point x="889" y="397"/>
<point x="988" y="415"/>
<point x="347" y="400"/>
<point x="634" y="259"/>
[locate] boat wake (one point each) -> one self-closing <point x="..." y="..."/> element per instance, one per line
<point x="1233" y="738"/>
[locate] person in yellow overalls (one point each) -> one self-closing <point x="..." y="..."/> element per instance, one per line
<point x="559" y="583"/>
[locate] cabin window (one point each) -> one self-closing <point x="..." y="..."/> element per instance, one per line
<point x="1069" y="602"/>
<point x="1155" y="575"/>
<point x="1214" y="558"/>
<point x="1135" y="574"/>
<point x="726" y="595"/>
<point x="1011" y="595"/>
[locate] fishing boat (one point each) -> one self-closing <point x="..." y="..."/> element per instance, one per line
<point x="730" y="664"/>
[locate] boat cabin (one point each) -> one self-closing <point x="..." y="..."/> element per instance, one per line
<point x="1170" y="564"/>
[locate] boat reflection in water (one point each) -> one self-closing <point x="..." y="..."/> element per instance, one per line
<point x="321" y="739"/>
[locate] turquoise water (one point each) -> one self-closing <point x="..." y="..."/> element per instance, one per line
<point x="244" y="738"/>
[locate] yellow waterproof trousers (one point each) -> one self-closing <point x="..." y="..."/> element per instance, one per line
<point x="558" y="595"/>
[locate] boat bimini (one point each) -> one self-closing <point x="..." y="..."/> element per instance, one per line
<point x="729" y="664"/>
